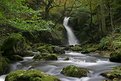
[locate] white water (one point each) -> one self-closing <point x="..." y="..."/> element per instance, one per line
<point x="71" y="37"/>
<point x="2" y="78"/>
<point x="95" y="65"/>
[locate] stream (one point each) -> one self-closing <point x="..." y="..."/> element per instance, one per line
<point x="95" y="63"/>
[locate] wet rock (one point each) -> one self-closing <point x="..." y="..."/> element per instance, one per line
<point x="3" y="65"/>
<point x="115" y="57"/>
<point x="114" y="74"/>
<point x="29" y="75"/>
<point x="76" y="48"/>
<point x="74" y="71"/>
<point x="67" y="58"/>
<point x="58" y="50"/>
<point x="45" y="57"/>
<point x="45" y="48"/>
<point x="15" y="44"/>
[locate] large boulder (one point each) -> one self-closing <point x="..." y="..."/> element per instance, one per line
<point x="45" y="48"/>
<point x="114" y="74"/>
<point x="76" y="48"/>
<point x="29" y="75"/>
<point x="58" y="50"/>
<point x="45" y="57"/>
<point x="15" y="44"/>
<point x="74" y="71"/>
<point x="115" y="57"/>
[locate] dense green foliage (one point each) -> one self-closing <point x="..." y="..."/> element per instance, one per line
<point x="18" y="15"/>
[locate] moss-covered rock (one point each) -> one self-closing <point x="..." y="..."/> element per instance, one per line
<point x="115" y="57"/>
<point x="74" y="71"/>
<point x="58" y="50"/>
<point x="67" y="58"/>
<point x="114" y="74"/>
<point x="45" y="57"/>
<point x="45" y="48"/>
<point x="14" y="45"/>
<point x="51" y="57"/>
<point x="76" y="48"/>
<point x="29" y="75"/>
<point x="3" y="65"/>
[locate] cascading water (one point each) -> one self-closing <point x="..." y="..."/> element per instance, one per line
<point x="71" y="37"/>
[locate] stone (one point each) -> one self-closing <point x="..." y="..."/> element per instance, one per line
<point x="74" y="71"/>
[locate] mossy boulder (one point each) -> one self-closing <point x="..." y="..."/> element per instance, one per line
<point x="45" y="57"/>
<point x="29" y="75"/>
<point x="15" y="44"/>
<point x="74" y="71"/>
<point x="45" y="48"/>
<point x="3" y="65"/>
<point x="114" y="74"/>
<point x="115" y="57"/>
<point x="76" y="48"/>
<point x="58" y="50"/>
<point x="67" y="58"/>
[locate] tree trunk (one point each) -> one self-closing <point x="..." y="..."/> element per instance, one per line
<point x="103" y="17"/>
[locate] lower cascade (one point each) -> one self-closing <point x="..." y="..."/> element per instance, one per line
<point x="71" y="37"/>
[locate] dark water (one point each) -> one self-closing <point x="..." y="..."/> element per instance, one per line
<point x="93" y="62"/>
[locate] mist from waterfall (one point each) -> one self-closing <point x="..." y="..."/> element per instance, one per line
<point x="72" y="40"/>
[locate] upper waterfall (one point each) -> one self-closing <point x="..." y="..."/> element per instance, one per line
<point x="71" y="37"/>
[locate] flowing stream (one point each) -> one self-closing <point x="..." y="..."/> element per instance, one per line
<point x="72" y="40"/>
<point x="93" y="62"/>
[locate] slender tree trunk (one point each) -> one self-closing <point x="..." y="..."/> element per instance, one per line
<point x="111" y="16"/>
<point x="47" y="8"/>
<point x="91" y="21"/>
<point x="103" y="22"/>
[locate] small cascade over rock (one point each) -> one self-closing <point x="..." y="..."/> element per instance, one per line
<point x="72" y="40"/>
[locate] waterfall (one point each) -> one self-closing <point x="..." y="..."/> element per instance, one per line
<point x="72" y="40"/>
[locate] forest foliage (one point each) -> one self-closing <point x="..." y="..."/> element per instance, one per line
<point x="92" y="19"/>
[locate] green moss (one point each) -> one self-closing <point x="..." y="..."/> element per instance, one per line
<point x="30" y="75"/>
<point x="51" y="57"/>
<point x="45" y="48"/>
<point x="76" y="48"/>
<point x="15" y="44"/>
<point x="74" y="71"/>
<point x="46" y="57"/>
<point x="114" y="74"/>
<point x="3" y="65"/>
